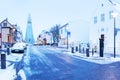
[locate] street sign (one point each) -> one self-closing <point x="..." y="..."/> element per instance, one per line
<point x="116" y="31"/>
<point x="68" y="33"/>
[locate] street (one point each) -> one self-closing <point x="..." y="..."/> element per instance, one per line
<point x="41" y="63"/>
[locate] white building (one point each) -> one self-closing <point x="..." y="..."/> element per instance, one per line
<point x="63" y="36"/>
<point x="78" y="32"/>
<point x="103" y="24"/>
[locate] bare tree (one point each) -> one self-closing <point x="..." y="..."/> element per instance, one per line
<point x="55" y="33"/>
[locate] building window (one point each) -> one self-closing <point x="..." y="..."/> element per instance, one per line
<point x="102" y="17"/>
<point x="110" y="14"/>
<point x="5" y="24"/>
<point x="95" y="19"/>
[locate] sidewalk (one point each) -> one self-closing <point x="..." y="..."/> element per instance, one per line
<point x="106" y="59"/>
<point x="9" y="72"/>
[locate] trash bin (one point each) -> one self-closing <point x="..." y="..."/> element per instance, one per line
<point x="3" y="60"/>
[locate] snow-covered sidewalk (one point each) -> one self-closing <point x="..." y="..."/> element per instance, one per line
<point x="95" y="58"/>
<point x="9" y="73"/>
<point x="106" y="59"/>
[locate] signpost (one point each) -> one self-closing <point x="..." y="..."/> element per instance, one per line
<point x="68" y="34"/>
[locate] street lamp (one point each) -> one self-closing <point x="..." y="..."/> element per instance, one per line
<point x="0" y="36"/>
<point x="67" y="40"/>
<point x="114" y="16"/>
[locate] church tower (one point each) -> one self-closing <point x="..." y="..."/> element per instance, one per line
<point x="29" y="38"/>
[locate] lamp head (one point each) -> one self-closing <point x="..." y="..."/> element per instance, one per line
<point x="114" y="14"/>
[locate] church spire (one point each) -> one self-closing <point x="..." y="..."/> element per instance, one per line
<point x="29" y="19"/>
<point x="29" y="38"/>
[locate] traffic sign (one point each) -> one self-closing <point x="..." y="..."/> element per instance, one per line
<point x="69" y="33"/>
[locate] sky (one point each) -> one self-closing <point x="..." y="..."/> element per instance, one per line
<point x="46" y="13"/>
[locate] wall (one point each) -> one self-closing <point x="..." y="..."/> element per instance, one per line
<point x="105" y="27"/>
<point x="5" y="32"/>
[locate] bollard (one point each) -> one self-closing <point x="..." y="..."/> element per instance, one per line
<point x="87" y="52"/>
<point x="72" y="49"/>
<point x="79" y="48"/>
<point x="76" y="48"/>
<point x="101" y="47"/>
<point x="92" y="51"/>
<point x="101" y="52"/>
<point x="83" y="50"/>
<point x="3" y="60"/>
<point x="8" y="50"/>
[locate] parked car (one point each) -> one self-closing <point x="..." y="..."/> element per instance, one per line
<point x="18" y="47"/>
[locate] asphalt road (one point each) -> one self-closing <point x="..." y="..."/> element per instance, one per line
<point x="41" y="63"/>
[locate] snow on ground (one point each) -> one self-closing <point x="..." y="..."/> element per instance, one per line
<point x="95" y="58"/>
<point x="9" y="72"/>
<point x="107" y="59"/>
<point x="14" y="57"/>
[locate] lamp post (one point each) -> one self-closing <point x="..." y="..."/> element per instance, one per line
<point x="0" y="36"/>
<point x="114" y="16"/>
<point x="67" y="40"/>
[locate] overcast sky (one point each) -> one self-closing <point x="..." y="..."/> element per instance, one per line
<point x="46" y="13"/>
